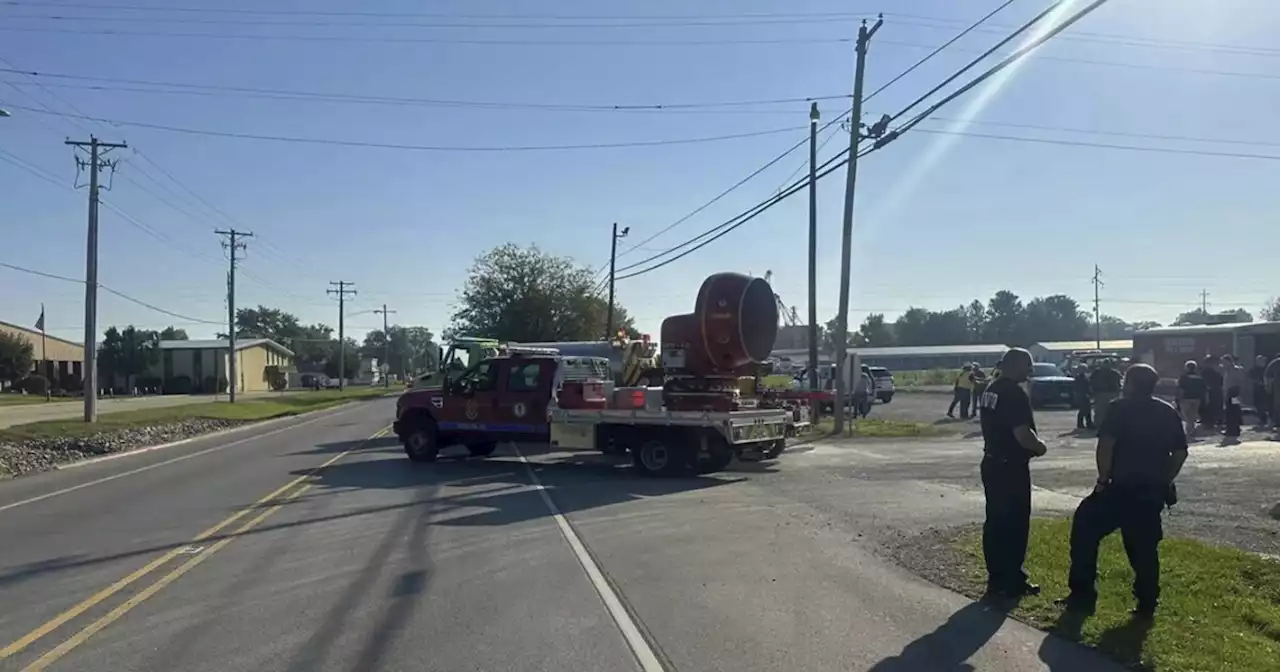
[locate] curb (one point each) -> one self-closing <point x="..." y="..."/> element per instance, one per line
<point x="200" y="437"/>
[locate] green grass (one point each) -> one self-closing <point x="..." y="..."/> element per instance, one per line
<point x="254" y="409"/>
<point x="10" y="399"/>
<point x="879" y="428"/>
<point x="1219" y="607"/>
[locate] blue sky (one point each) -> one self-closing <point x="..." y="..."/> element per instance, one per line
<point x="940" y="220"/>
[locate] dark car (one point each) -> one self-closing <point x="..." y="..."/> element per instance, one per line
<point x="1048" y="386"/>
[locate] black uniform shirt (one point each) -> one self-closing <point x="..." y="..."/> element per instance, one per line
<point x="1105" y="380"/>
<point x="1191" y="385"/>
<point x="1003" y="406"/>
<point x="1146" y="432"/>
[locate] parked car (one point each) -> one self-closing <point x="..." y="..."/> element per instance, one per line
<point x="1048" y="386"/>
<point x="883" y="379"/>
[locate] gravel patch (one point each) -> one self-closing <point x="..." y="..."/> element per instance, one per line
<point x="936" y="556"/>
<point x="28" y="457"/>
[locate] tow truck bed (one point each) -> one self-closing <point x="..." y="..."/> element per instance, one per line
<point x="737" y="427"/>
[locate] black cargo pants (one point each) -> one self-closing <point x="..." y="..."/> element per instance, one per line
<point x="1134" y="509"/>
<point x="1007" y="486"/>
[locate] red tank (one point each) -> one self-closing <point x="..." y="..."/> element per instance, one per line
<point x="733" y="327"/>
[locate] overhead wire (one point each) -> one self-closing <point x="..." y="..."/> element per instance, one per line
<point x="732" y="224"/>
<point x="421" y="148"/>
<point x="937" y="50"/>
<point x="140" y="302"/>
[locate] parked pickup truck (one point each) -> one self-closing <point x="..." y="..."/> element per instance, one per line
<point x="550" y="399"/>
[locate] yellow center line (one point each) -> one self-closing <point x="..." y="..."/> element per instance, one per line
<point x="95" y="599"/>
<point x="115" y="614"/>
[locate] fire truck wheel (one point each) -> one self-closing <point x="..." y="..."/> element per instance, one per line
<point x="482" y="449"/>
<point x="775" y="450"/>
<point x="719" y="457"/>
<point x="422" y="443"/>
<point x="659" y="455"/>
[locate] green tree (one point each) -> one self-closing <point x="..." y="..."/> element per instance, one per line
<point x="16" y="357"/>
<point x="1004" y="318"/>
<point x="1271" y="311"/>
<point x="408" y="351"/>
<point x="975" y="316"/>
<point x="352" y="358"/>
<point x="1199" y="316"/>
<point x="874" y="332"/>
<point x="1052" y="318"/>
<point x="912" y="327"/>
<point x="174" y="334"/>
<point x="524" y="294"/>
<point x="128" y="352"/>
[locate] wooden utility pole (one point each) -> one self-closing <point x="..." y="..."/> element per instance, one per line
<point x="233" y="245"/>
<point x="846" y="243"/>
<point x="813" y="247"/>
<point x="386" y="345"/>
<point x="613" y="259"/>
<point x="1097" y="307"/>
<point x="343" y="288"/>
<point x="97" y="149"/>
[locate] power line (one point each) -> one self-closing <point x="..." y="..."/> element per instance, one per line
<point x="1102" y="145"/>
<point x="312" y="96"/>
<point x="421" y="148"/>
<point x="313" y="12"/>
<point x="78" y="281"/>
<point x="834" y="121"/>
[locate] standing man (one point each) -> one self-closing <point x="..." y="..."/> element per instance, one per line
<point x="1233" y="379"/>
<point x="1271" y="376"/>
<point x="1009" y="442"/>
<point x="1191" y="393"/>
<point x="1141" y="449"/>
<point x="1104" y="383"/>
<point x="1261" y="400"/>
<point x="1211" y="408"/>
<point x="1084" y="402"/>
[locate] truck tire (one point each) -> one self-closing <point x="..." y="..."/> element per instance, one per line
<point x="482" y="449"/>
<point x="719" y="457"/>
<point x="663" y="454"/>
<point x="422" y="441"/>
<point x="776" y="449"/>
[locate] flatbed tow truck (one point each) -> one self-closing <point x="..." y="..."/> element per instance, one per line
<point x="694" y="423"/>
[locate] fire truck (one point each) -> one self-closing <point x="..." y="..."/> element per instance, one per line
<point x="695" y="422"/>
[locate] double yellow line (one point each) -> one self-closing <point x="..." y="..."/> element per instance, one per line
<point x="279" y="496"/>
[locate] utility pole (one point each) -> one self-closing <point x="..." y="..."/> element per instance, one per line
<point x="343" y="289"/>
<point x="846" y="243"/>
<point x="613" y="259"/>
<point x="233" y="245"/>
<point x="97" y="149"/>
<point x="1204" y="302"/>
<point x="386" y="344"/>
<point x="1097" y="307"/>
<point x="813" y="247"/>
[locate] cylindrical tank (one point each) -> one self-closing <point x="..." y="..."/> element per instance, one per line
<point x="734" y="324"/>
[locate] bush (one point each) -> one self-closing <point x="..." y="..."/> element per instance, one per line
<point x="178" y="385"/>
<point x="209" y="385"/>
<point x="35" y="384"/>
<point x="72" y="383"/>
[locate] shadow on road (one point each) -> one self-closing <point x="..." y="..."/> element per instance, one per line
<point x="1060" y="651"/>
<point x="949" y="647"/>
<point x="575" y="483"/>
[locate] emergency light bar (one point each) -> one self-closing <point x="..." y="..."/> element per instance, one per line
<point x="528" y="350"/>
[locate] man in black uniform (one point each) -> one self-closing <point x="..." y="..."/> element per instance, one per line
<point x="1141" y="449"/>
<point x="1009" y="442"/>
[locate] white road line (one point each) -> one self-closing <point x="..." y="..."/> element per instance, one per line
<point x="149" y="467"/>
<point x="640" y="648"/>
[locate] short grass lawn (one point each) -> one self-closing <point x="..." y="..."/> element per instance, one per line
<point x="11" y="399"/>
<point x="1219" y="607"/>
<point x="880" y="428"/>
<point x="255" y="408"/>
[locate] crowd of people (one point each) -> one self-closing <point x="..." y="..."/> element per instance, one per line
<point x="1141" y="448"/>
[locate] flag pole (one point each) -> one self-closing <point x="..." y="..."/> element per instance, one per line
<point x="44" y="356"/>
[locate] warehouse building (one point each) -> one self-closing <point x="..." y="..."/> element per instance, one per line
<point x="57" y="359"/>
<point x="1055" y="351"/>
<point x="912" y="357"/>
<point x="203" y="365"/>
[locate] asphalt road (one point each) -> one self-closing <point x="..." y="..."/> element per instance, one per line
<point x="304" y="545"/>
<point x="19" y="414"/>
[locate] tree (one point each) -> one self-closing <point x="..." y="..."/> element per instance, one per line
<point x="264" y="322"/>
<point x="1114" y="328"/>
<point x="1052" y="318"/>
<point x="1004" y="318"/>
<point x="408" y="351"/>
<point x="16" y="357"/>
<point x="128" y="352"/>
<point x="975" y="315"/>
<point x="1199" y="316"/>
<point x="526" y="295"/>
<point x="874" y="332"/>
<point x="174" y="334"/>
<point x="1271" y="311"/>
<point x="352" y="358"/>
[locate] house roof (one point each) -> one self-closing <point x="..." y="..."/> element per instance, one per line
<point x="222" y="344"/>
<point x="1068" y="346"/>
<point x="1266" y="327"/>
<point x="36" y="333"/>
